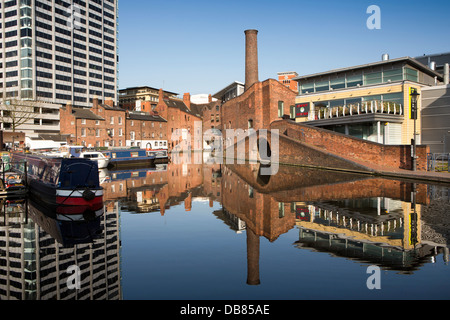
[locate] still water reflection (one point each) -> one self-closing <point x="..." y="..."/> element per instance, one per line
<point x="211" y="231"/>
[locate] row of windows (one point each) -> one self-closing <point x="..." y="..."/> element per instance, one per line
<point x="349" y="81"/>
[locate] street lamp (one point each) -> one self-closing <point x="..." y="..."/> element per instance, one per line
<point x="414" y="110"/>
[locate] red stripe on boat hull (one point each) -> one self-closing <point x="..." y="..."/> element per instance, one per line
<point x="77" y="205"/>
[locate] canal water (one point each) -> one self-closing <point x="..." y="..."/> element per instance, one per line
<point x="226" y="232"/>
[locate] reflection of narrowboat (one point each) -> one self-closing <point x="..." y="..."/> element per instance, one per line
<point x="67" y="233"/>
<point x="69" y="186"/>
<point x="129" y="157"/>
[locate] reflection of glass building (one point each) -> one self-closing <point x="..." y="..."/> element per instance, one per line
<point x="370" y="101"/>
<point x="383" y="231"/>
<point x="35" y="262"/>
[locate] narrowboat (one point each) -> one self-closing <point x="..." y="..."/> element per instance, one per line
<point x="129" y="158"/>
<point x="161" y="155"/>
<point x="78" y="152"/>
<point x="102" y="160"/>
<point x="69" y="186"/>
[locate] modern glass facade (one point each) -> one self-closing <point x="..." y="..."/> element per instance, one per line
<point x="357" y="79"/>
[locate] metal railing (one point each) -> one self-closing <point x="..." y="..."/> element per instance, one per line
<point x="438" y="162"/>
<point x="374" y="106"/>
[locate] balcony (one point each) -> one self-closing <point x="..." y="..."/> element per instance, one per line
<point x="375" y="110"/>
<point x="369" y="107"/>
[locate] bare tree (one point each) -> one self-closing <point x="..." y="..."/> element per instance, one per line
<point x="16" y="112"/>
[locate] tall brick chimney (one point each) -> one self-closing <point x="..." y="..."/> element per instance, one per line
<point x="251" y="58"/>
<point x="187" y="100"/>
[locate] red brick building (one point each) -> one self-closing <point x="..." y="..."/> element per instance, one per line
<point x="286" y="79"/>
<point x="182" y="115"/>
<point x="262" y="102"/>
<point x="146" y="130"/>
<point x="103" y="125"/>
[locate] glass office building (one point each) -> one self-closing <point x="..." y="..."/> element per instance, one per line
<point x="370" y="102"/>
<point x="59" y="51"/>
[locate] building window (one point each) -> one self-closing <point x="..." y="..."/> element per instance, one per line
<point x="83" y="121"/>
<point x="83" y="132"/>
<point x="411" y="74"/>
<point x="120" y="120"/>
<point x="280" y="109"/>
<point x="97" y="133"/>
<point x="112" y="120"/>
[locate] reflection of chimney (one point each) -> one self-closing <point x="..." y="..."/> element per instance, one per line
<point x="251" y="58"/>
<point x="188" y="203"/>
<point x="252" y="258"/>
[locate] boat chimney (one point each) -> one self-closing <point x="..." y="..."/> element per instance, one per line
<point x="251" y="58"/>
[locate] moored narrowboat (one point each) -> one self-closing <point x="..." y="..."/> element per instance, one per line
<point x="69" y="186"/>
<point x="161" y="155"/>
<point x="129" y="157"/>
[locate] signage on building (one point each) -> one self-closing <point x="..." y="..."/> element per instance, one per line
<point x="302" y="110"/>
<point x="303" y="214"/>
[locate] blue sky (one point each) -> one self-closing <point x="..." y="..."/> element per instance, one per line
<point x="199" y="46"/>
